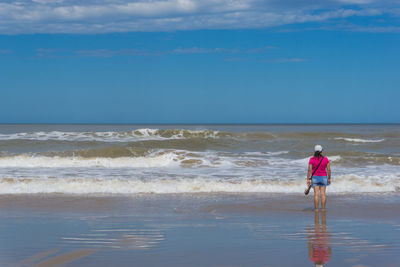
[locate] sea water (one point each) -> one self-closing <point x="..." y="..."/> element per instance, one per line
<point x="160" y="159"/>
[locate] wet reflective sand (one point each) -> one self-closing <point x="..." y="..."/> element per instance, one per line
<point x="199" y="230"/>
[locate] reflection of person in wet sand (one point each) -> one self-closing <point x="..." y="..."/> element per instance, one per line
<point x="319" y="249"/>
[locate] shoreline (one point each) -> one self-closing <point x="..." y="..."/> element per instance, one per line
<point x="262" y="202"/>
<point x="197" y="230"/>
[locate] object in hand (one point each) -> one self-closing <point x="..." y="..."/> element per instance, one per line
<point x="307" y="190"/>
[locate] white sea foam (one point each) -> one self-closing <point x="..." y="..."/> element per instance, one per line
<point x="128" y="136"/>
<point x="341" y="184"/>
<point x="301" y="162"/>
<point x="268" y="153"/>
<point x="359" y="140"/>
<point x="158" y="158"/>
<point x="26" y="161"/>
<point x="201" y="161"/>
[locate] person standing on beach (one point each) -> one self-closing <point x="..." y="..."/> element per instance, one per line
<point x="321" y="178"/>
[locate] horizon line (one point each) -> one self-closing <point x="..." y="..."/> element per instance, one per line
<point x="204" y="123"/>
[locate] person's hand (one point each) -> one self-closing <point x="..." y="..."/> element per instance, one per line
<point x="308" y="182"/>
<point x="329" y="181"/>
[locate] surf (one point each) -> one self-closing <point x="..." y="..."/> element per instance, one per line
<point x="343" y="184"/>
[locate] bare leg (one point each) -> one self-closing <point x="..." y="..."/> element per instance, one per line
<point x="323" y="197"/>
<point x="316" y="197"/>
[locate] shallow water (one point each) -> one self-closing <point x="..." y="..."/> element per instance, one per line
<point x="199" y="230"/>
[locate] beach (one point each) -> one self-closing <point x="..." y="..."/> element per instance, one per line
<point x="214" y="195"/>
<point x="197" y="230"/>
<point x="184" y="133"/>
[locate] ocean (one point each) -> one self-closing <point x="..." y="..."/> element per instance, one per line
<point x="218" y="159"/>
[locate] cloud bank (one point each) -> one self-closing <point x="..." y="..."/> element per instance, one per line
<point x="108" y="53"/>
<point x="105" y="16"/>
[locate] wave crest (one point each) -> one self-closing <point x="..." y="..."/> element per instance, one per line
<point x="27" y="161"/>
<point x="359" y="140"/>
<point x="342" y="184"/>
<point x="132" y="136"/>
<point x="126" y="136"/>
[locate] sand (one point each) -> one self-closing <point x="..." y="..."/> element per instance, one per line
<point x="199" y="230"/>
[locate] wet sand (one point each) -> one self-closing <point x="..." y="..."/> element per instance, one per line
<point x="199" y="230"/>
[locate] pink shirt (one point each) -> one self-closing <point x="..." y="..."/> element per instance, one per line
<point x="322" y="168"/>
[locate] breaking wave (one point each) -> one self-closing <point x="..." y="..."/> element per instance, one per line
<point x="134" y="135"/>
<point x="341" y="184"/>
<point x="147" y="134"/>
<point x="27" y="161"/>
<point x="116" y="157"/>
<point x="126" y="136"/>
<point x="226" y="159"/>
<point x="358" y="140"/>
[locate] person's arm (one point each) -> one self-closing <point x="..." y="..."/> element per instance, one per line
<point x="309" y="174"/>
<point x="328" y="168"/>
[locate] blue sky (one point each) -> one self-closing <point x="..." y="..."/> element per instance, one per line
<point x="210" y="61"/>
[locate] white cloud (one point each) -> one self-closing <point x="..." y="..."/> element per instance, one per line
<point x="196" y="50"/>
<point x="131" y="52"/>
<point x="360" y="2"/>
<point x="260" y="49"/>
<point x="376" y="29"/>
<point x="285" y="60"/>
<point x="106" y="53"/>
<point x="103" y="16"/>
<point x="45" y="2"/>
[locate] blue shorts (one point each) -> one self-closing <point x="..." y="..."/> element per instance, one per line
<point x="319" y="181"/>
